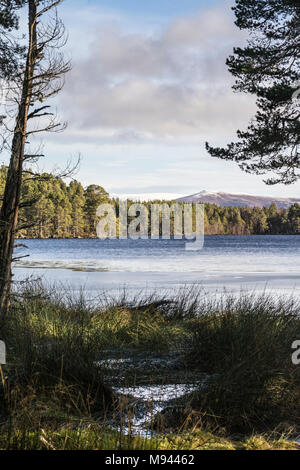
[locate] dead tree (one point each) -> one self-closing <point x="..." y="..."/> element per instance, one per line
<point x="41" y="78"/>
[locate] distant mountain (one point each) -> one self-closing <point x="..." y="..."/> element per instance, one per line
<point x="239" y="200"/>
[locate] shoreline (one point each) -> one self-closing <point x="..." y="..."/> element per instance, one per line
<point x="205" y="235"/>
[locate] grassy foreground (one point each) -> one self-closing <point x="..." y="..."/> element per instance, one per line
<point x="55" y="392"/>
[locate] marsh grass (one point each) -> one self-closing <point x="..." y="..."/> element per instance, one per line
<point x="247" y="343"/>
<point x="54" y="393"/>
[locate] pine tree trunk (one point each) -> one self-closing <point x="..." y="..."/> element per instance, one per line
<point x="11" y="199"/>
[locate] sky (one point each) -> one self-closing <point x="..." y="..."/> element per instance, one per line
<point x="148" y="87"/>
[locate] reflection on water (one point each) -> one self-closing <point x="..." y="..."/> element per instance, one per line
<point x="158" y="393"/>
<point x="151" y="400"/>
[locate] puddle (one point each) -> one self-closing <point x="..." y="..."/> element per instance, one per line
<point x="146" y="399"/>
<point x="157" y="393"/>
<point x="142" y="364"/>
<point x="150" y="400"/>
<point x="114" y="363"/>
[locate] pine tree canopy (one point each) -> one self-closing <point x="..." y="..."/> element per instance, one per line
<point x="269" y="68"/>
<point x="9" y="21"/>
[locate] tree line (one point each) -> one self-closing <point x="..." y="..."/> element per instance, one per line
<point x="62" y="210"/>
<point x="33" y="69"/>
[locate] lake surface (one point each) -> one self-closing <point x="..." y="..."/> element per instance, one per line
<point x="230" y="262"/>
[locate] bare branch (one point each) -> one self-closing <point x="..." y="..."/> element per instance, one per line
<point x="17" y="258"/>
<point x="40" y="76"/>
<point x="36" y="111"/>
<point x="48" y="8"/>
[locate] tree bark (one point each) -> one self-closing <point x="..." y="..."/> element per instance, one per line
<point x="11" y="199"/>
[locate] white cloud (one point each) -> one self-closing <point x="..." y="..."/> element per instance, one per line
<point x="203" y="28"/>
<point x="172" y="85"/>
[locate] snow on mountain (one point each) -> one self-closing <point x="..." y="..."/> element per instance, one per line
<point x="238" y="200"/>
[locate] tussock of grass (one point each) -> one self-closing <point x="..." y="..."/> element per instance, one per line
<point x="54" y="394"/>
<point x="247" y="342"/>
